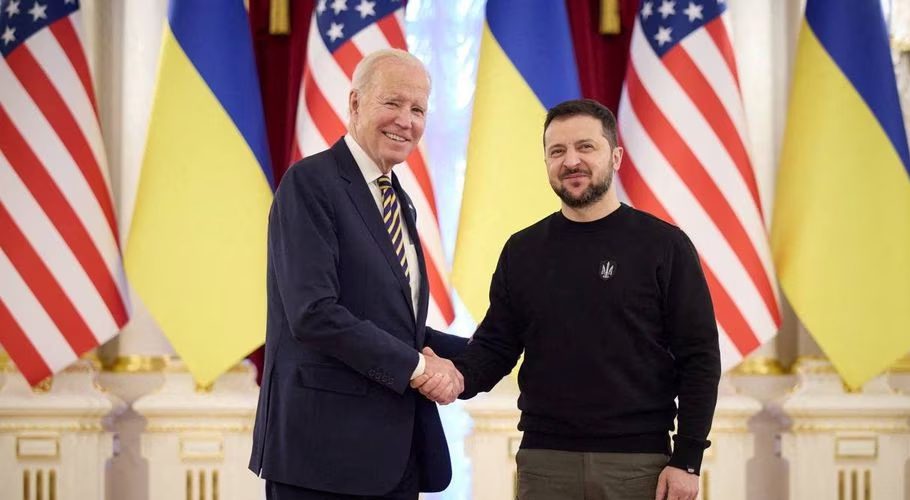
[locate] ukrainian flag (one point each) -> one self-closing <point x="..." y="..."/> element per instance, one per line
<point x="527" y="65"/>
<point x="196" y="252"/>
<point x="841" y="228"/>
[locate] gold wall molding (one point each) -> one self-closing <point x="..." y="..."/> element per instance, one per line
<point x="901" y="44"/>
<point x="864" y="426"/>
<point x="173" y="428"/>
<point x="77" y="427"/>
<point x="813" y="365"/>
<point x="760" y="365"/>
<point x="141" y="363"/>
<point x="902" y="365"/>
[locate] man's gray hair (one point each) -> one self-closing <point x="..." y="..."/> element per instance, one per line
<point x="366" y="69"/>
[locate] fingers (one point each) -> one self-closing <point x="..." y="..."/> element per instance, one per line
<point x="661" y="493"/>
<point x="439" y="388"/>
<point x="442" y="393"/>
<point x="430" y="383"/>
<point x="441" y="381"/>
<point x="459" y="382"/>
<point x="676" y="484"/>
<point x="419" y="381"/>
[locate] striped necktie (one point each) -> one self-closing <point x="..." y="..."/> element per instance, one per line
<point x="391" y="216"/>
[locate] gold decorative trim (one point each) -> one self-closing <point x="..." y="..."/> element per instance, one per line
<point x="279" y="17"/>
<point x="193" y="428"/>
<point x="43" y="386"/>
<point x="706" y="484"/>
<point x="92" y="357"/>
<point x="610" y="21"/>
<point x="37" y="440"/>
<point x="902" y="365"/>
<point x="812" y="427"/>
<point x="867" y="484"/>
<point x="901" y="44"/>
<point x="204" y="388"/>
<point x="137" y="363"/>
<point x="841" y="489"/>
<point x="13" y="427"/>
<point x="865" y="447"/>
<point x="202" y="448"/>
<point x="811" y="365"/>
<point x="4" y="362"/>
<point x="242" y="367"/>
<point x="507" y="424"/>
<point x="760" y="365"/>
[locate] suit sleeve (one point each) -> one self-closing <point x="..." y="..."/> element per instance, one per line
<point x="303" y="248"/>
<point x="693" y="342"/>
<point x="495" y="347"/>
<point x="445" y="345"/>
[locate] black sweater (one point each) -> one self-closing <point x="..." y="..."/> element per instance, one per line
<point x="615" y="321"/>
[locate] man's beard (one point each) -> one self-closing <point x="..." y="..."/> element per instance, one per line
<point x="589" y="196"/>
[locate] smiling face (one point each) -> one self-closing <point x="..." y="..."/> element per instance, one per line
<point x="580" y="160"/>
<point x="388" y="112"/>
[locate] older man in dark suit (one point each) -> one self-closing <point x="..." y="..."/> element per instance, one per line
<point x="347" y="305"/>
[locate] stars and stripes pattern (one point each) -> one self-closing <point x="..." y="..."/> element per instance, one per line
<point x="391" y="217"/>
<point x="342" y="32"/>
<point x="62" y="286"/>
<point x="682" y="124"/>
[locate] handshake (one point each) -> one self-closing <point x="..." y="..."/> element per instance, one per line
<point x="440" y="381"/>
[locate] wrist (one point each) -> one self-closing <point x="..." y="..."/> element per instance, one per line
<point x="421" y="366"/>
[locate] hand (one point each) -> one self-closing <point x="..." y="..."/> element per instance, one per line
<point x="676" y="484"/>
<point x="441" y="381"/>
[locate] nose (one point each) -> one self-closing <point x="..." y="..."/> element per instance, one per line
<point x="403" y="117"/>
<point x="571" y="159"/>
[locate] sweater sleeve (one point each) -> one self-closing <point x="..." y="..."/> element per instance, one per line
<point x="495" y="347"/>
<point x="692" y="330"/>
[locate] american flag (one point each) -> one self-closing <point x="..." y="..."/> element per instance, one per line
<point x="341" y="33"/>
<point x="682" y="123"/>
<point x="62" y="286"/>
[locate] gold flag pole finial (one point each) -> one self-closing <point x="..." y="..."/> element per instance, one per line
<point x="279" y="17"/>
<point x="610" y="22"/>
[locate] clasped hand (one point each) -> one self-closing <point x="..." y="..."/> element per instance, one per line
<point x="440" y="381"/>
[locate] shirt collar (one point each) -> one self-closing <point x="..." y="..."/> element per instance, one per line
<point x="367" y="166"/>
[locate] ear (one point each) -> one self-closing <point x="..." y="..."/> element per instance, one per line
<point x="617" y="157"/>
<point x="353" y="102"/>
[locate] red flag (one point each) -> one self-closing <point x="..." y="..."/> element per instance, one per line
<point x="62" y="286"/>
<point x="601" y="58"/>
<point x="682" y="124"/>
<point x="339" y="38"/>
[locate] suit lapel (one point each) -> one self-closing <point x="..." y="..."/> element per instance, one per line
<point x="366" y="206"/>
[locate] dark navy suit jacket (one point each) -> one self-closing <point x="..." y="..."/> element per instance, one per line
<point x="336" y="412"/>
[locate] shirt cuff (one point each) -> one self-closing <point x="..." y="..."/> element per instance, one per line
<point x="421" y="366"/>
<point x="688" y="453"/>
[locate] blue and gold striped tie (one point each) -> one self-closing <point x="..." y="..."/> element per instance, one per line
<point x="391" y="216"/>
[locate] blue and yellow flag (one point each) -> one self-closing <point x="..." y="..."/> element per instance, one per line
<point x="196" y="252"/>
<point x="841" y="228"/>
<point x="527" y="65"/>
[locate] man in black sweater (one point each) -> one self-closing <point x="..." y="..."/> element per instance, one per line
<point x="612" y="311"/>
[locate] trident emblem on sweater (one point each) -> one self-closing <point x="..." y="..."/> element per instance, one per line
<point x="607" y="268"/>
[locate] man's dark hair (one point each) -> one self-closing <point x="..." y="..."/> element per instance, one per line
<point x="588" y="107"/>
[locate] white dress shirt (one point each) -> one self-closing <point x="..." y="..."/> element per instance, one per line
<point x="371" y="174"/>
